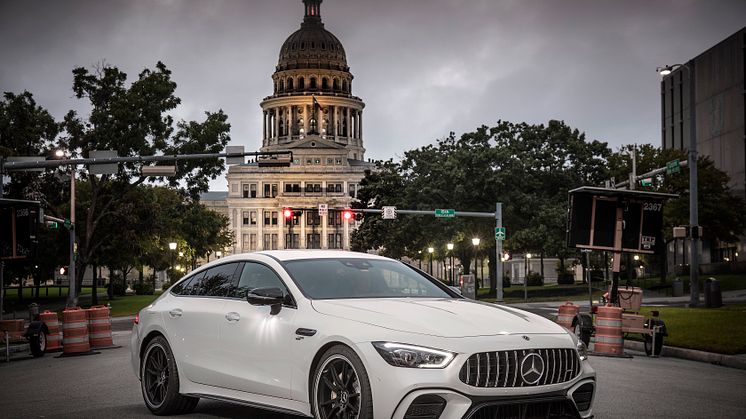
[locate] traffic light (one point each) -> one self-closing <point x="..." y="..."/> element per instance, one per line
<point x="287" y="213"/>
<point x="359" y="216"/>
<point x="347" y="214"/>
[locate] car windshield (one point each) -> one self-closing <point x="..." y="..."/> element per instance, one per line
<point x="360" y="278"/>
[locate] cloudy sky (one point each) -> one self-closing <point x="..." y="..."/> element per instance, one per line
<point x="423" y="67"/>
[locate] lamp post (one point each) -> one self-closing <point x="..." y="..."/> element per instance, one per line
<point x="449" y="246"/>
<point x="419" y="258"/>
<point x="172" y="248"/>
<point x="693" y="191"/>
<point x="218" y="254"/>
<point x="525" y="280"/>
<point x="475" y="241"/>
<point x="431" y="250"/>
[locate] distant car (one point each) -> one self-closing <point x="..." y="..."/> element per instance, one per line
<point x="333" y="334"/>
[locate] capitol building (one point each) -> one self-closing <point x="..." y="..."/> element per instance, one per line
<point x="313" y="113"/>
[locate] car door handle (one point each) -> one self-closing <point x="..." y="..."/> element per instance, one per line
<point x="232" y="316"/>
<point x="177" y="312"/>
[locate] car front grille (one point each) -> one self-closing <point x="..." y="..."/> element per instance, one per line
<point x="503" y="368"/>
<point x="527" y="410"/>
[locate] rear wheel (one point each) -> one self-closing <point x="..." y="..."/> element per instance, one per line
<point x="653" y="349"/>
<point x="340" y="386"/>
<point x="159" y="380"/>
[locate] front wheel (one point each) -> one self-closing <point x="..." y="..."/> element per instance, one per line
<point x="341" y="388"/>
<point x="653" y="349"/>
<point x="159" y="380"/>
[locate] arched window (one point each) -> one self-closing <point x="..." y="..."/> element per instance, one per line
<point x="344" y="86"/>
<point x="301" y="83"/>
<point x="324" y="84"/>
<point x="313" y="83"/>
<point x="282" y="86"/>
<point x="302" y="45"/>
<point x="290" y="84"/>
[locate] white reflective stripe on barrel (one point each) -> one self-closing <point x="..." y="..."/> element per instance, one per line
<point x="102" y="321"/>
<point x="54" y="337"/>
<point x="605" y="339"/>
<point x="609" y="323"/>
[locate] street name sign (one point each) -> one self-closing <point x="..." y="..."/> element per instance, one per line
<point x="672" y="167"/>
<point x="445" y="213"/>
<point x="389" y="213"/>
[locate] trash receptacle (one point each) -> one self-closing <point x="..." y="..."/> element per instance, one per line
<point x="33" y="312"/>
<point x="708" y="292"/>
<point x="716" y="296"/>
<point x="677" y="287"/>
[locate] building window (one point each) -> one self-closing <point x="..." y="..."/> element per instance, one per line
<point x="252" y="218"/>
<point x="245" y="218"/>
<point x="292" y="241"/>
<point x="335" y="241"/>
<point x="352" y="189"/>
<point x="270" y="190"/>
<point x="334" y="218"/>
<point x="313" y="188"/>
<point x="252" y="241"/>
<point x="338" y="161"/>
<point x="270" y="242"/>
<point x="316" y="160"/>
<point x="249" y="190"/>
<point x="329" y="161"/>
<point x="334" y="187"/>
<point x="270" y="218"/>
<point x="313" y="241"/>
<point x="292" y="187"/>
<point x="309" y="161"/>
<point x="245" y="242"/>
<point x="313" y="218"/>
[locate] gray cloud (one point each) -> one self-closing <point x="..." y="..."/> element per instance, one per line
<point x="423" y="67"/>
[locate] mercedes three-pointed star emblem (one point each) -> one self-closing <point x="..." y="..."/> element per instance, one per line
<point x="532" y="368"/>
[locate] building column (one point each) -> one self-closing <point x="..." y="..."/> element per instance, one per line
<point x="259" y="228"/>
<point x="324" y="223"/>
<point x="335" y="118"/>
<point x="346" y="235"/>
<point x="349" y="124"/>
<point x="281" y="230"/>
<point x="289" y="124"/>
<point x="264" y="127"/>
<point x="303" y="244"/>
<point x="276" y="125"/>
<point x="360" y="128"/>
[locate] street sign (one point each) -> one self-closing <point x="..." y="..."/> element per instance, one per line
<point x="67" y="223"/>
<point x="389" y="213"/>
<point x="672" y="167"/>
<point x="323" y="210"/>
<point x="103" y="169"/>
<point x="500" y="233"/>
<point x="445" y="213"/>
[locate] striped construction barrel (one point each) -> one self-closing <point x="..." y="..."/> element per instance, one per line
<point x="54" y="337"/>
<point x="99" y="327"/>
<point x="75" y="331"/>
<point x="566" y="313"/>
<point x="609" y="338"/>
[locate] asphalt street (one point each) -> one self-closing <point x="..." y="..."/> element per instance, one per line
<point x="103" y="386"/>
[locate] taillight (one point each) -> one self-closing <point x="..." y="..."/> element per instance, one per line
<point x="137" y="318"/>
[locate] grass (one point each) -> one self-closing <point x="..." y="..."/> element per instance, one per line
<point x="720" y="330"/>
<point x="551" y="292"/>
<point x="51" y="292"/>
<point x="728" y="282"/>
<point x="130" y="305"/>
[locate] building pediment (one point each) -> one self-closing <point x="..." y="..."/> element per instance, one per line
<point x="313" y="142"/>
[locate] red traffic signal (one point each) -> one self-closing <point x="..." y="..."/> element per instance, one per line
<point x="347" y="214"/>
<point x="287" y="213"/>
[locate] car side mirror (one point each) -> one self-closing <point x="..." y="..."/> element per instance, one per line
<point x="269" y="296"/>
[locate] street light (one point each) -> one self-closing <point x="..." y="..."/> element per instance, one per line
<point x="172" y="247"/>
<point x="693" y="191"/>
<point x="431" y="250"/>
<point x="449" y="246"/>
<point x="219" y="254"/>
<point x="525" y="280"/>
<point x="475" y="241"/>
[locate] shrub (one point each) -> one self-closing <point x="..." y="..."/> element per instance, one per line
<point x="535" y="279"/>
<point x="143" y="288"/>
<point x="566" y="279"/>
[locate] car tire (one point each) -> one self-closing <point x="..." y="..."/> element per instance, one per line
<point x="583" y="334"/>
<point x="159" y="381"/>
<point x="649" y="349"/>
<point x="341" y="385"/>
<point x="38" y="344"/>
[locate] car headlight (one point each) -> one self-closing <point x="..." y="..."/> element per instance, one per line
<point x="410" y="356"/>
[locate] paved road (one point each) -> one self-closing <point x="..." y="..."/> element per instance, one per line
<point x="101" y="386"/>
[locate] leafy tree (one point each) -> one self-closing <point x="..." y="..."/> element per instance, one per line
<point x="203" y="231"/>
<point x="133" y="120"/>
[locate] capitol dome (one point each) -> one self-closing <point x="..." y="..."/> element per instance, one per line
<point x="312" y="46"/>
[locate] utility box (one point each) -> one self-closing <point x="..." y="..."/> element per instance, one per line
<point x="468" y="286"/>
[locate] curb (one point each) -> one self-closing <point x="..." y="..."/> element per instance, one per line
<point x="730" y="361"/>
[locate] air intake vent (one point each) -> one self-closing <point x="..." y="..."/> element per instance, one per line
<point x="520" y="368"/>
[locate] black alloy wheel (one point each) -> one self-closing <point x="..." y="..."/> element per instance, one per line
<point x="38" y="344"/>
<point x="159" y="380"/>
<point x="341" y="389"/>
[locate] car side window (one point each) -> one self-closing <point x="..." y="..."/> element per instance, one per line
<point x="256" y="275"/>
<point x="218" y="280"/>
<point x="179" y="288"/>
<point x="194" y="286"/>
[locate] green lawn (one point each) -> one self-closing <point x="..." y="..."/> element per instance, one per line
<point x="129" y="305"/>
<point x="553" y="292"/>
<point x="51" y="292"/>
<point x="720" y="330"/>
<point x="727" y="283"/>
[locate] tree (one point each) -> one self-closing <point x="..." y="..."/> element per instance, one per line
<point x="203" y="231"/>
<point x="133" y="120"/>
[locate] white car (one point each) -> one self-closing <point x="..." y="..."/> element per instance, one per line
<point x="334" y="334"/>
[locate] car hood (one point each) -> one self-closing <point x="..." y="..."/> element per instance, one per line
<point x="451" y="318"/>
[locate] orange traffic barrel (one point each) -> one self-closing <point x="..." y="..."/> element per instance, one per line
<point x="54" y="337"/>
<point x="99" y="327"/>
<point x="75" y="331"/>
<point x="609" y="340"/>
<point x="15" y="329"/>
<point x="567" y="313"/>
